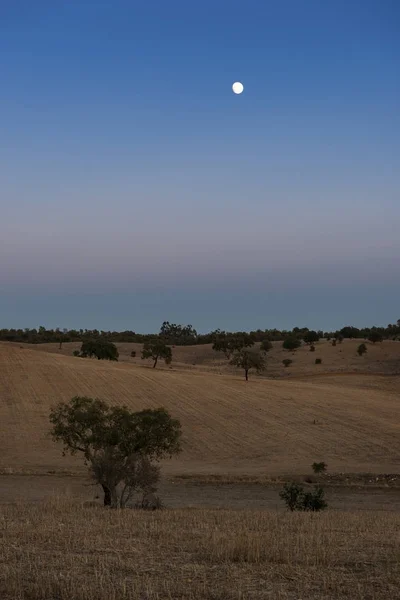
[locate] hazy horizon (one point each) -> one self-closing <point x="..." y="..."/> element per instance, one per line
<point x="135" y="187"/>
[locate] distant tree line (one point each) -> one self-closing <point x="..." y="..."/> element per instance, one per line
<point x="186" y="335"/>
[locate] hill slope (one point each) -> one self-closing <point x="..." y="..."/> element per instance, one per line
<point x="264" y="426"/>
<point x="383" y="358"/>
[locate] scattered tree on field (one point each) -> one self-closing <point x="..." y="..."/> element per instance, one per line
<point x="311" y="337"/>
<point x="100" y="349"/>
<point x="119" y="446"/>
<point x="230" y="343"/>
<point x="362" y="349"/>
<point x="265" y="346"/>
<point x="291" y="343"/>
<point x="156" y="349"/>
<point x="248" y="359"/>
<point x="375" y="336"/>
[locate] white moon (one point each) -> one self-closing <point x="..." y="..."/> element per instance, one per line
<point x="237" y="87"/>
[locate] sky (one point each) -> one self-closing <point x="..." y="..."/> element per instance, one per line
<point x="136" y="187"/>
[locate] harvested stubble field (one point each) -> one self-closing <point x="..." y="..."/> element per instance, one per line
<point x="238" y="437"/>
<point x="64" y="551"/>
<point x="265" y="426"/>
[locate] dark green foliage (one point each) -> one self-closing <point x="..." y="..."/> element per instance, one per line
<point x="291" y="343"/>
<point x="173" y="334"/>
<point x="319" y="467"/>
<point x="375" y="336"/>
<point x="179" y="335"/>
<point x="291" y="495"/>
<point x="287" y="361"/>
<point x="265" y="346"/>
<point x="314" y="501"/>
<point x="100" y="349"/>
<point x="362" y="349"/>
<point x="230" y="343"/>
<point x="350" y="332"/>
<point x="156" y="349"/>
<point x="118" y="444"/>
<point x="296" y="498"/>
<point x="248" y="359"/>
<point x="311" y="337"/>
<point x="318" y="361"/>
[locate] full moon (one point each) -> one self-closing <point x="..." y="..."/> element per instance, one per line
<point x="237" y="87"/>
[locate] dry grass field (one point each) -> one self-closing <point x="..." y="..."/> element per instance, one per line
<point x="381" y="358"/>
<point x="225" y="534"/>
<point x="63" y="551"/>
<point x="265" y="426"/>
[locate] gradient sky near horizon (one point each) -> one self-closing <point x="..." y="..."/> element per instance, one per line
<point x="135" y="187"/>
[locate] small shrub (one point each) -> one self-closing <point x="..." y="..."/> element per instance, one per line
<point x="314" y="501"/>
<point x="312" y="348"/>
<point x="319" y="467"/>
<point x="340" y="339"/>
<point x="287" y="361"/>
<point x="333" y="342"/>
<point x="362" y="349"/>
<point x="291" y="495"/>
<point x="296" y="498"/>
<point x="76" y="353"/>
<point x="318" y="361"/>
<point x="133" y="354"/>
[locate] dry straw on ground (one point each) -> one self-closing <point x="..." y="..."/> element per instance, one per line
<point x="64" y="551"/>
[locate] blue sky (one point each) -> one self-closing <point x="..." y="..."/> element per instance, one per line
<point x="136" y="187"/>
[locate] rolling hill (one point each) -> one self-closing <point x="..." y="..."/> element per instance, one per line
<point x="264" y="426"/>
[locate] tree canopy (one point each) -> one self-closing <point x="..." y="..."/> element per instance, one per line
<point x="156" y="349"/>
<point x="116" y="442"/>
<point x="100" y="349"/>
<point x="248" y="359"/>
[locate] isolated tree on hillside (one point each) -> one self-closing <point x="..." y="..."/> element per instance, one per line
<point x="101" y="349"/>
<point x="120" y="447"/>
<point x="265" y="346"/>
<point x="230" y="343"/>
<point x="156" y="349"/>
<point x="291" y="343"/>
<point x="248" y="359"/>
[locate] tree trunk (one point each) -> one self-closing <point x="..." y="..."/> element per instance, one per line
<point x="107" y="495"/>
<point x="155" y="362"/>
<point x="246" y="373"/>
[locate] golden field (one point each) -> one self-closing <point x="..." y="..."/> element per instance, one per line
<point x="224" y="534"/>
<point x="265" y="426"/>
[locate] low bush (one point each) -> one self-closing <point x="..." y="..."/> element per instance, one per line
<point x="296" y="498"/>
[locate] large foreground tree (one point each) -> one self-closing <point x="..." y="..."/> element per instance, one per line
<point x="120" y="447"/>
